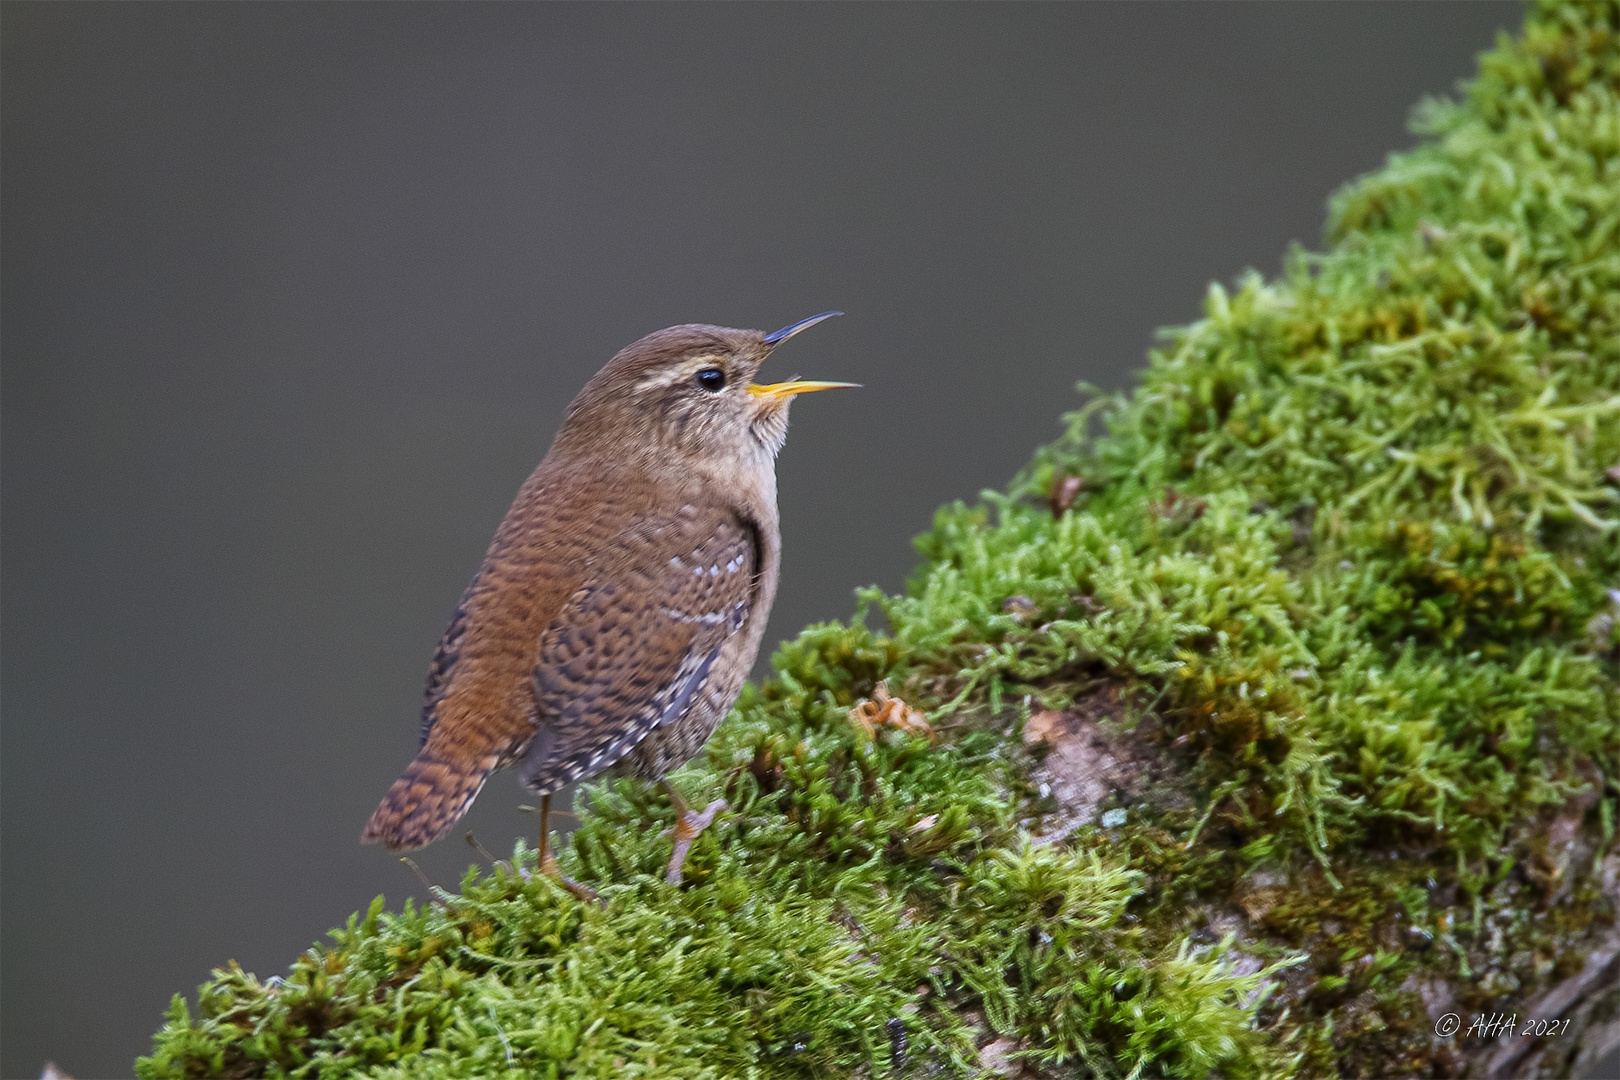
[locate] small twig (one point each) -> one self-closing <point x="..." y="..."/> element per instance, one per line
<point x="1557" y="1001"/>
<point x="434" y="892"/>
<point x="500" y="864"/>
<point x="527" y="809"/>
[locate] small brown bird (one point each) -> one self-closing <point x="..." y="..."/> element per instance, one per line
<point x="624" y="597"/>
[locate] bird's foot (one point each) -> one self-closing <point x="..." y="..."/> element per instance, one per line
<point x="689" y="824"/>
<point x="583" y="893"/>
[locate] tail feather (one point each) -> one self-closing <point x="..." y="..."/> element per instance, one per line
<point x="426" y="801"/>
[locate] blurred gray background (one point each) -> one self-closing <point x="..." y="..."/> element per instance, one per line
<point x="294" y="297"/>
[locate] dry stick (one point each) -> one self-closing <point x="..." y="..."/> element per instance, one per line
<point x="502" y="864"/>
<point x="472" y="842"/>
<point x="527" y="809"/>
<point x="433" y="890"/>
<point x="1602" y="965"/>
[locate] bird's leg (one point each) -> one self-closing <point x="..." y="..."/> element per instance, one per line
<point x="688" y="826"/>
<point x="546" y="863"/>
<point x="540" y="850"/>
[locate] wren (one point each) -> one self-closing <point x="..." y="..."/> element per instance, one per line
<point x="624" y="597"/>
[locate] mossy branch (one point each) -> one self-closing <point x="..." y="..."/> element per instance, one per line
<point x="1314" y="658"/>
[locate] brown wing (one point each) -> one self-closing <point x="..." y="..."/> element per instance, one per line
<point x="635" y="641"/>
<point x="444" y="659"/>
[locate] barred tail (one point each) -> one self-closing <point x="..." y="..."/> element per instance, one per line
<point x="426" y="801"/>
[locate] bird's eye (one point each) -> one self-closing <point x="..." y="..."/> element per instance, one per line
<point x="712" y="379"/>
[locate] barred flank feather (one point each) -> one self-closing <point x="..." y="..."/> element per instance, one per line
<point x="426" y="801"/>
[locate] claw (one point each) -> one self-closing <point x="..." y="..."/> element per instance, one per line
<point x="688" y="826"/>
<point x="551" y="870"/>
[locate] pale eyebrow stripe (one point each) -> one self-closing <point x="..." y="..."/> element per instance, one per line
<point x="670" y="376"/>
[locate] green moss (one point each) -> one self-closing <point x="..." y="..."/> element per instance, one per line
<point x="1348" y="548"/>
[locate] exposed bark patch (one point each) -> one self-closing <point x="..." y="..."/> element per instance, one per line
<point x="1090" y="765"/>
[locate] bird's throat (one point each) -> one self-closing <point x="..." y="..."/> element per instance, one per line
<point x="770" y="428"/>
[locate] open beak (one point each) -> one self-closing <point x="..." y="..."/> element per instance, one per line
<point x="788" y="389"/>
<point x="783" y="390"/>
<point x="788" y="331"/>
